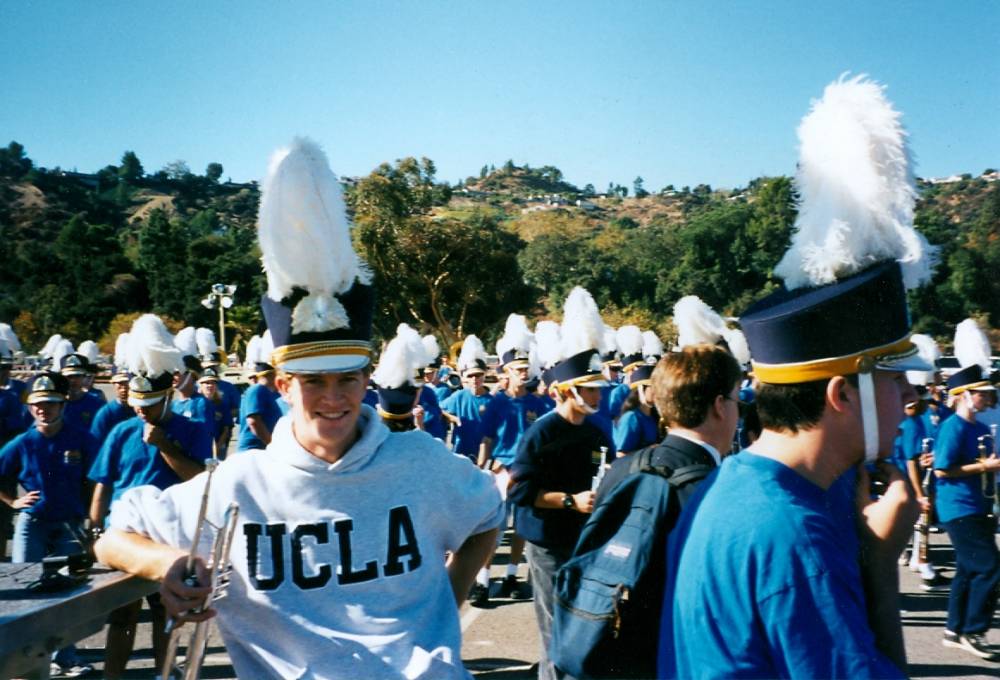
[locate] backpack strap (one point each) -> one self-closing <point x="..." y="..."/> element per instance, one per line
<point x="689" y="473"/>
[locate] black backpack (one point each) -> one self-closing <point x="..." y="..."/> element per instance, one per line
<point x="608" y="595"/>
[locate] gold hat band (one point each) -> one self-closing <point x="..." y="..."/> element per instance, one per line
<point x="393" y="416"/>
<point x="304" y="350"/>
<point x="820" y="369"/>
<point x="971" y="386"/>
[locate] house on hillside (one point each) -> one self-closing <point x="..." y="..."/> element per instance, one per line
<point x="86" y="179"/>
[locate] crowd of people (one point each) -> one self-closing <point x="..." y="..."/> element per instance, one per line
<point x="777" y="556"/>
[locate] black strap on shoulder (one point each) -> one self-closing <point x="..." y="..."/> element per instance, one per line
<point x="689" y="473"/>
<point x="642" y="461"/>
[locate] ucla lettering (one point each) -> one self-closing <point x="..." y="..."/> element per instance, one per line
<point x="402" y="552"/>
<point x="402" y="543"/>
<point x="275" y="532"/>
<point x="346" y="574"/>
<point x="320" y="532"/>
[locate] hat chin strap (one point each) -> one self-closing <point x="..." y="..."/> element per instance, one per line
<point x="581" y="404"/>
<point x="869" y="416"/>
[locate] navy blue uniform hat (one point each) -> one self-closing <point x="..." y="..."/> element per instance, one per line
<point x="580" y="370"/>
<point x="48" y="387"/>
<point x="641" y="376"/>
<point x="397" y="403"/>
<point x="842" y="328"/>
<point x="969" y="378"/>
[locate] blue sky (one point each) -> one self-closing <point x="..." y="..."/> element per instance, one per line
<point x="677" y="92"/>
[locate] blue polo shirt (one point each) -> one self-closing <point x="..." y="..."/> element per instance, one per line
<point x="125" y="460"/>
<point x="196" y="408"/>
<point x="55" y="466"/>
<point x="82" y="411"/>
<point x="258" y="400"/>
<point x="233" y="398"/>
<point x="506" y="419"/>
<point x="957" y="444"/>
<point x="616" y="398"/>
<point x="434" y="424"/>
<point x="12" y="416"/>
<point x="470" y="408"/>
<point x="635" y="430"/>
<point x="111" y="414"/>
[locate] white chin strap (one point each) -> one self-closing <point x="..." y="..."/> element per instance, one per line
<point x="967" y="396"/>
<point x="589" y="410"/>
<point x="869" y="416"/>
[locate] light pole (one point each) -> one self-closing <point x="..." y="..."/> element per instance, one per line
<point x="221" y="295"/>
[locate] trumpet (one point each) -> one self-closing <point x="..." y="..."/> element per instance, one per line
<point x="219" y="570"/>
<point x="987" y="447"/>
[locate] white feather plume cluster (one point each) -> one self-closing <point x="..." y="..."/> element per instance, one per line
<point x="50" y="346"/>
<point x="472" y="349"/>
<point x="856" y="190"/>
<point x="432" y="350"/>
<point x="253" y="344"/>
<point x="629" y="340"/>
<point x="972" y="346"/>
<point x="399" y="362"/>
<point x="62" y="349"/>
<point x="696" y="322"/>
<point x="548" y="343"/>
<point x="151" y="351"/>
<point x="205" y="340"/>
<point x="652" y="346"/>
<point x="265" y="348"/>
<point x="516" y="335"/>
<point x="121" y="350"/>
<point x="929" y="352"/>
<point x="305" y="237"/>
<point x="8" y="335"/>
<point x="738" y="345"/>
<point x="582" y="328"/>
<point x="89" y="349"/>
<point x="609" y="341"/>
<point x="185" y="341"/>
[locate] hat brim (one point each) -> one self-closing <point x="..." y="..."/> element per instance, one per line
<point x="46" y="398"/>
<point x="913" y="362"/>
<point x="328" y="363"/>
<point x="134" y="400"/>
<point x="69" y="372"/>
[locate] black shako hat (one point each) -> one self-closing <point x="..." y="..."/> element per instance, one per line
<point x="969" y="378"/>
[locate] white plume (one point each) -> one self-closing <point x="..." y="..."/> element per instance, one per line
<point x="629" y="340"/>
<point x="971" y="345"/>
<point x="62" y="349"/>
<point x="185" y="341"/>
<point x="696" y="322"/>
<point x="582" y="327"/>
<point x="432" y="350"/>
<point x="399" y="362"/>
<point x="856" y="190"/>
<point x="253" y="344"/>
<point x="205" y="339"/>
<point x="929" y="352"/>
<point x="305" y="237"/>
<point x="548" y="344"/>
<point x="472" y="349"/>
<point x="265" y="348"/>
<point x="89" y="349"/>
<point x="652" y="346"/>
<point x="121" y="350"/>
<point x="10" y="337"/>
<point x="515" y="335"/>
<point x="609" y="341"/>
<point x="151" y="351"/>
<point x="50" y="346"/>
<point x="737" y="345"/>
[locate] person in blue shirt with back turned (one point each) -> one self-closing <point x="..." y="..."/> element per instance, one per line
<point x="782" y="565"/>
<point x="465" y="407"/>
<point x="50" y="462"/>
<point x="963" y="455"/>
<point x="638" y="424"/>
<point x="259" y="410"/>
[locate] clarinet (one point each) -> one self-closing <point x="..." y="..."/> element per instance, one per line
<point x="987" y="447"/>
<point x="922" y="534"/>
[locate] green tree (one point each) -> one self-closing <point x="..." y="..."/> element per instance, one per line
<point x="637" y="188"/>
<point x="130" y="169"/>
<point x="214" y="172"/>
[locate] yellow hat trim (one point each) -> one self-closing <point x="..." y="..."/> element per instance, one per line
<point x="323" y="348"/>
<point x="820" y="369"/>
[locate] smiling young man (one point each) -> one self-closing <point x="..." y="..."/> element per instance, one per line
<point x="338" y="558"/>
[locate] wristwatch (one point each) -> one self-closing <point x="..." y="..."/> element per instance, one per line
<point x="568" y="501"/>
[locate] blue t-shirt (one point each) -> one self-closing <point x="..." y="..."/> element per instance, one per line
<point x="470" y="409"/>
<point x="18" y="387"/>
<point x="434" y="424"/>
<point x="260" y="401"/>
<point x="111" y="414"/>
<point x="957" y="444"/>
<point x="196" y="408"/>
<point x="443" y="391"/>
<point x="56" y="466"/>
<point x="616" y="399"/>
<point x="82" y="411"/>
<point x="635" y="430"/>
<point x="12" y="416"/>
<point x="233" y="397"/>
<point x="933" y="419"/>
<point x="760" y="584"/>
<point x="98" y="394"/>
<point x="506" y="419"/>
<point x="126" y="461"/>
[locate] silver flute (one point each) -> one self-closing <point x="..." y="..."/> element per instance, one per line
<point x="219" y="570"/>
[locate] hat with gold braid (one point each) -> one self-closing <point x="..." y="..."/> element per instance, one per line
<point x="152" y="360"/>
<point x="854" y="253"/>
<point x="319" y="299"/>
